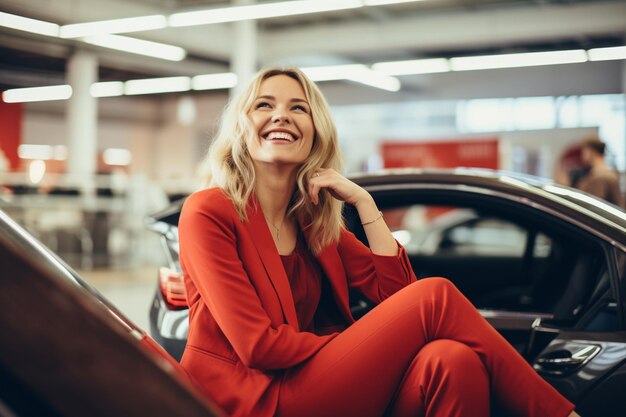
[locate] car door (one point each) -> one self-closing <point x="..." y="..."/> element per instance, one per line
<point x="587" y="361"/>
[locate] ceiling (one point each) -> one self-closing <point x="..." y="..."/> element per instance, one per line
<point x="430" y="28"/>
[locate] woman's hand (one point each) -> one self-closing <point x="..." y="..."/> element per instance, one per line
<point x="380" y="238"/>
<point x="338" y="186"/>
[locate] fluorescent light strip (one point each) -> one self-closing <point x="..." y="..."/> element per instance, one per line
<point x="259" y="11"/>
<point x="366" y="76"/>
<point x="157" y="85"/>
<point x="129" y="24"/>
<point x="48" y="93"/>
<point x="107" y="89"/>
<point x="353" y="72"/>
<point x="28" y="25"/>
<point x="45" y="152"/>
<point x="117" y="156"/>
<point x="380" y="76"/>
<point x="607" y="54"/>
<point x="214" y="81"/>
<point x="138" y="46"/>
<point x="199" y="17"/>
<point x="330" y="72"/>
<point x="385" y="2"/>
<point x="529" y="59"/>
<point x="411" y="67"/>
<point x="216" y="15"/>
<point x="26" y="151"/>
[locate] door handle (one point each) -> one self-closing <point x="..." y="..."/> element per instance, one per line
<point x="562" y="361"/>
<point x="558" y="362"/>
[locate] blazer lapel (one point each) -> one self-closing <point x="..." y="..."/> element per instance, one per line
<point x="264" y="243"/>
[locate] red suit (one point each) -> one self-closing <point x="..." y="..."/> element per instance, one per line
<point x="424" y="351"/>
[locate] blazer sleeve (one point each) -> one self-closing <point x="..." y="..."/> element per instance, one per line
<point x="376" y="276"/>
<point x="210" y="259"/>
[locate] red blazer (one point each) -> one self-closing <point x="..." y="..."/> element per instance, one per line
<point x="243" y="329"/>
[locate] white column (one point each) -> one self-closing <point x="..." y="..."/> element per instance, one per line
<point x="82" y="115"/>
<point x="243" y="61"/>
<point x="624" y="94"/>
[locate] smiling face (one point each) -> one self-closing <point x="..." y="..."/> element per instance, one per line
<point x="282" y="119"/>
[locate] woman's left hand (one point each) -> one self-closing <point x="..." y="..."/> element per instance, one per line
<point x="338" y="186"/>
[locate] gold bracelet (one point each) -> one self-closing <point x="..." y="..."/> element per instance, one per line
<point x="380" y="216"/>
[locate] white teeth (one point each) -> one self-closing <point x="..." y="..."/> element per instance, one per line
<point x="280" y="135"/>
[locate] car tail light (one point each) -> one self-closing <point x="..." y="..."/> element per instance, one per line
<point x="172" y="288"/>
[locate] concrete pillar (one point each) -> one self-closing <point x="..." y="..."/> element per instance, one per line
<point x="624" y="138"/>
<point x="623" y="170"/>
<point x="82" y="115"/>
<point x="243" y="61"/>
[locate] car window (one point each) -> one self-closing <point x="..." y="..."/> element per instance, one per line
<point x="445" y="230"/>
<point x="491" y="237"/>
<point x="499" y="259"/>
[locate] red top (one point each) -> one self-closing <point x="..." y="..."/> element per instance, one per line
<point x="304" y="278"/>
<point x="312" y="294"/>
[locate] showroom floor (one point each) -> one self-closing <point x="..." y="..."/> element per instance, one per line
<point x="130" y="290"/>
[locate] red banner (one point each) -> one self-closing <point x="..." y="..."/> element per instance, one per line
<point x="476" y="153"/>
<point x="11" y="132"/>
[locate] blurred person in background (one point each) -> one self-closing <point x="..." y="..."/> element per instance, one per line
<point x="600" y="179"/>
<point x="267" y="265"/>
<point x="594" y="175"/>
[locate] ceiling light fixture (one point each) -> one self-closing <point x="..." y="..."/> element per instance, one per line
<point x="138" y="46"/>
<point x="528" y="59"/>
<point x="214" y="81"/>
<point x="330" y="72"/>
<point x="28" y="25"/>
<point x="607" y="54"/>
<point x="353" y="72"/>
<point x="103" y="27"/>
<point x="44" y="152"/>
<point x="107" y="89"/>
<point x="117" y="156"/>
<point x="28" y="151"/>
<point x="259" y="11"/>
<point x="386" y="2"/>
<point x="191" y="18"/>
<point x="157" y="85"/>
<point x="48" y="93"/>
<point x="366" y="76"/>
<point x="413" y="67"/>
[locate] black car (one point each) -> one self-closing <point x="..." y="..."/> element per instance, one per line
<point x="544" y="264"/>
<point x="65" y="351"/>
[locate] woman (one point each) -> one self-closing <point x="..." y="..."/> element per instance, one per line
<point x="268" y="265"/>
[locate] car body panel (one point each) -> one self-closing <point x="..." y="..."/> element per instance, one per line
<point x="66" y="351"/>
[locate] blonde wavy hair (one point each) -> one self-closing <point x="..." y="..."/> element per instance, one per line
<point x="228" y="164"/>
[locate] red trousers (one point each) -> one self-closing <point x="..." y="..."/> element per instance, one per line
<point x="425" y="351"/>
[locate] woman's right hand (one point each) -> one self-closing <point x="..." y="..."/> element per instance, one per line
<point x="338" y="186"/>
